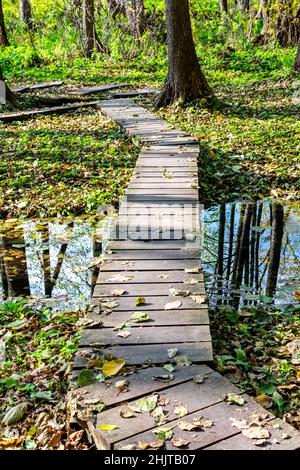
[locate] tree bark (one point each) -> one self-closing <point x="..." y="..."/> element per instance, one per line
<point x="88" y="27"/>
<point x="185" y="80"/>
<point x="297" y="60"/>
<point x="223" y="6"/>
<point x="275" y="249"/>
<point x="25" y="12"/>
<point x="287" y="27"/>
<point x="245" y="5"/>
<point x="135" y="12"/>
<point x="6" y="96"/>
<point x="3" y="36"/>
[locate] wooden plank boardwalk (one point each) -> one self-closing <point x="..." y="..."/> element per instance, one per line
<point x="154" y="253"/>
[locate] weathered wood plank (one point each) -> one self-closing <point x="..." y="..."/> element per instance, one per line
<point x="137" y="290"/>
<point x="148" y="335"/>
<point x="37" y="86"/>
<point x="193" y="396"/>
<point x="127" y="304"/>
<point x="151" y="265"/>
<point x="155" y="353"/>
<point x="98" y="89"/>
<point x="141" y="383"/>
<point x="221" y="414"/>
<point x="131" y="94"/>
<point x="9" y="117"/>
<point x="148" y="245"/>
<point x="156" y="254"/>
<point x="150" y="277"/>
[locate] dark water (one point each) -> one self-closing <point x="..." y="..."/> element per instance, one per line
<point x="251" y="254"/>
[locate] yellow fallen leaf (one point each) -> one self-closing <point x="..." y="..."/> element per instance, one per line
<point x="108" y="427"/>
<point x="111" y="368"/>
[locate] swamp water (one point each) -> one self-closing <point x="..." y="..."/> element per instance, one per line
<point x="250" y="255"/>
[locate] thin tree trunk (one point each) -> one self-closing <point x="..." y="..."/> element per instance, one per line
<point x="88" y="27"/>
<point x="15" y="263"/>
<point x="257" y="243"/>
<point x="231" y="237"/>
<point x="3" y="36"/>
<point x="25" y="13"/>
<point x="135" y="12"/>
<point x="6" y="96"/>
<point x="244" y="246"/>
<point x="220" y="269"/>
<point x="286" y="30"/>
<point x="297" y="60"/>
<point x="275" y="249"/>
<point x="185" y="80"/>
<point x="223" y="6"/>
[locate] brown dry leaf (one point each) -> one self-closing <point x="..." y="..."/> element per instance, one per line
<point x="54" y="441"/>
<point x="124" y="333"/>
<point x="192" y="270"/>
<point x="185" y="426"/>
<point x="180" y="442"/>
<point x="181" y="411"/>
<point x="126" y="412"/>
<point x="173" y="305"/>
<point x="191" y="282"/>
<point x="14" y="441"/>
<point x="264" y="400"/>
<point x="74" y="438"/>
<point x="239" y="423"/>
<point x="202" y="422"/>
<point x="179" y="293"/>
<point x="199" y="299"/>
<point x="163" y="401"/>
<point x="118" y="292"/>
<point x="256" y="432"/>
<point x="129" y="447"/>
<point x="122" y="385"/>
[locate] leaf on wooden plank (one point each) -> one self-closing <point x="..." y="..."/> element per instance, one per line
<point x="180" y="293"/>
<point x="163" y="276"/>
<point x="256" y="432"/>
<point x="181" y="411"/>
<point x="127" y="413"/>
<point x="172" y="352"/>
<point x="148" y="403"/>
<point x="150" y="445"/>
<point x="118" y="292"/>
<point x="124" y="333"/>
<point x="164" y="378"/>
<point x="111" y="368"/>
<point x="122" y="385"/>
<point x="163" y="434"/>
<point x="139" y="317"/>
<point x="15" y="414"/>
<point x="234" y="399"/>
<point x="134" y="408"/>
<point x="107" y="427"/>
<point x="86" y="377"/>
<point x="202" y="422"/>
<point x="183" y="361"/>
<point x="186" y="426"/>
<point x="199" y="299"/>
<point x="191" y="282"/>
<point x="121" y="326"/>
<point x="163" y="401"/>
<point x="159" y="415"/>
<point x="199" y="379"/>
<point x="192" y="270"/>
<point x="180" y="442"/>
<point x="140" y="301"/>
<point x="169" y="367"/>
<point x="173" y="305"/>
<point x="239" y="423"/>
<point x="120" y="278"/>
<point x="109" y="303"/>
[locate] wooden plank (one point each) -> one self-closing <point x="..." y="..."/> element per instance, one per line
<point x="147" y="335"/>
<point x="221" y="414"/>
<point x="9" y="117"/>
<point x="148" y="245"/>
<point x="37" y="86"/>
<point x="140" y="384"/>
<point x="274" y="442"/>
<point x="137" y="290"/>
<point x="138" y="92"/>
<point x="155" y="254"/>
<point x="151" y="265"/>
<point x="155" y="353"/>
<point x="163" y="184"/>
<point x="157" y="318"/>
<point x="127" y="304"/>
<point x="193" y="396"/>
<point x="98" y="89"/>
<point x="150" y="277"/>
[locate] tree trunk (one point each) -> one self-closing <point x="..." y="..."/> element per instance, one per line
<point x="25" y="13"/>
<point x="297" y="60"/>
<point x="245" y="5"/>
<point x="88" y="27"/>
<point x="135" y="12"/>
<point x="223" y="6"/>
<point x="6" y="96"/>
<point x="3" y="36"/>
<point x="287" y="28"/>
<point x="185" y="80"/>
<point x="275" y="249"/>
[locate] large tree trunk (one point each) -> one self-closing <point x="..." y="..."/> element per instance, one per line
<point x="297" y="60"/>
<point x="185" y="80"/>
<point x="275" y="249"/>
<point x="6" y="96"/>
<point x="3" y="36"/>
<point x="25" y="12"/>
<point x="88" y="27"/>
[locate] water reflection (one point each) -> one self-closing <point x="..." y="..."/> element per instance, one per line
<point x="53" y="261"/>
<point x="252" y="253"/>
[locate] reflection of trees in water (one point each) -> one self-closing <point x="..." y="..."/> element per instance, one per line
<point x="48" y="260"/>
<point x="253" y="249"/>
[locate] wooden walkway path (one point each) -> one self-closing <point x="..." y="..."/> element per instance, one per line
<point x="152" y="280"/>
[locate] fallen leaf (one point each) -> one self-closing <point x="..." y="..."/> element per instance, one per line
<point x="183" y="361"/>
<point x="163" y="434"/>
<point x="172" y="352"/>
<point x="180" y="293"/>
<point x="139" y="317"/>
<point x="256" y="432"/>
<point x="199" y="379"/>
<point x="239" y="423"/>
<point x="181" y="411"/>
<point x="199" y="299"/>
<point x="86" y="377"/>
<point x="111" y="368"/>
<point x="147" y="404"/>
<point x="164" y="378"/>
<point x="173" y="305"/>
<point x="118" y="292"/>
<point x="202" y="422"/>
<point x="186" y="426"/>
<point x="169" y="367"/>
<point x="109" y="303"/>
<point x="122" y="385"/>
<point x="191" y="282"/>
<point x="15" y="414"/>
<point x="13" y="441"/>
<point x="234" y="399"/>
<point x="127" y="412"/>
<point x="192" y="270"/>
<point x="129" y="447"/>
<point x="140" y="301"/>
<point x="120" y="278"/>
<point x="180" y="442"/>
<point x="108" y="427"/>
<point x="124" y="333"/>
